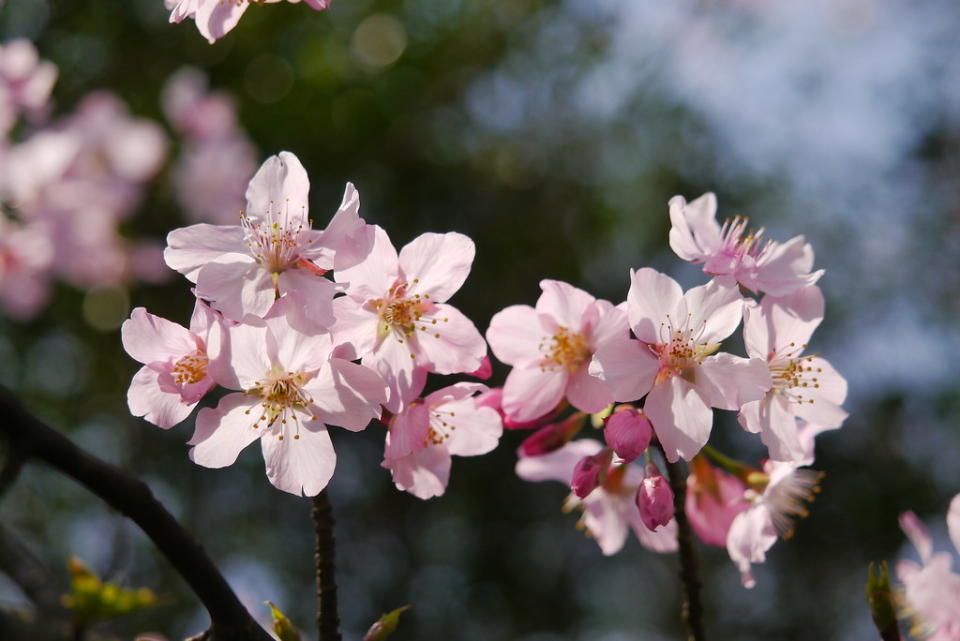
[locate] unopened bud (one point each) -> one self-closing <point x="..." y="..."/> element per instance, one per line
<point x="655" y="499"/>
<point x="551" y="437"/>
<point x="628" y="432"/>
<point x="590" y="472"/>
<point x="485" y="370"/>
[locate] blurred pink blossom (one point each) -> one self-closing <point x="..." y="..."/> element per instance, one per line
<point x="25" y="83"/>
<point x="714" y="499"/>
<point x="216" y="18"/>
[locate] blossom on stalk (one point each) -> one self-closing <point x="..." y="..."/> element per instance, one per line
<point x="550" y="348"/>
<point x="734" y="251"/>
<point x="292" y="388"/>
<point x="932" y="588"/>
<point x="25" y="82"/>
<point x="655" y="499"/>
<point x="395" y="315"/>
<point x="243" y="268"/>
<point x="776" y="498"/>
<point x="177" y="363"/>
<point x="628" y="432"/>
<point x="674" y="359"/>
<point x="777" y="330"/>
<point x="610" y="510"/>
<point x="423" y="437"/>
<point x="216" y="18"/>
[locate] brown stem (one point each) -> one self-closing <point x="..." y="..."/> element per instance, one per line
<point x="131" y="497"/>
<point x="689" y="567"/>
<point x="328" y="620"/>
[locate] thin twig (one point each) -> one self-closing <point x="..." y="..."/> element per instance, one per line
<point x="132" y="498"/>
<point x="328" y="620"/>
<point x="36" y="581"/>
<point x="689" y="566"/>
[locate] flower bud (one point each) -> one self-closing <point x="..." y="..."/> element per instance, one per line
<point x="590" y="472"/>
<point x="655" y="499"/>
<point x="551" y="437"/>
<point x="628" y="432"/>
<point x="485" y="370"/>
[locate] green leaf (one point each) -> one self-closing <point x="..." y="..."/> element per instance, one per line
<point x="385" y="626"/>
<point x="282" y="626"/>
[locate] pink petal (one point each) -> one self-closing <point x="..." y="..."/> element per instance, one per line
<point x="424" y="474"/>
<point x="280" y="186"/>
<point x="774" y="419"/>
<point x="436" y="265"/>
<point x="530" y="391"/>
<point x="557" y="465"/>
<point x="299" y="464"/>
<point x="347" y="394"/>
<point x="397" y="366"/>
<point x="319" y="5"/>
<point x="348" y="235"/>
<point x="606" y="522"/>
<point x="291" y="348"/>
<point x="794" y="317"/>
<point x="821" y="405"/>
<point x="694" y="232"/>
<point x="729" y="381"/>
<point x="680" y="416"/>
<point x="408" y="432"/>
<point x="563" y="302"/>
<point x="250" y="358"/>
<point x="651" y="298"/>
<point x="453" y="345"/>
<point x="626" y="366"/>
<point x="146" y="398"/>
<point x="515" y="334"/>
<point x="222" y="433"/>
<point x="662" y="541"/>
<point x="611" y="324"/>
<point x="785" y="269"/>
<point x="355" y="326"/>
<point x="478" y="429"/>
<point x="190" y="248"/>
<point x="149" y="339"/>
<point x="717" y="308"/>
<point x="751" y="535"/>
<point x="236" y="286"/>
<point x="203" y="319"/>
<point x="371" y="278"/>
<point x="953" y="521"/>
<point x="588" y="393"/>
<point x="215" y="19"/>
<point x="918" y="535"/>
<point x="313" y="294"/>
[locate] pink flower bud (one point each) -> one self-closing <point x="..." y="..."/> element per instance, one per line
<point x="589" y="472"/>
<point x="485" y="370"/>
<point x="494" y="398"/>
<point x="628" y="432"/>
<point x="551" y="437"/>
<point x="655" y="499"/>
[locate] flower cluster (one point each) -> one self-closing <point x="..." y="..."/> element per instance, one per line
<point x="651" y="370"/>
<point x="66" y="184"/>
<point x="271" y="325"/>
<point x="216" y="18"/>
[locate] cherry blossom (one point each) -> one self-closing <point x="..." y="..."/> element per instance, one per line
<point x="779" y="498"/>
<point x="735" y="251"/>
<point x="714" y="499"/>
<point x="777" y="330"/>
<point x="395" y="315"/>
<point x="26" y="257"/>
<point x="610" y="510"/>
<point x="292" y="388"/>
<point x="25" y="82"/>
<point x="932" y="588"/>
<point x="177" y="363"/>
<point x="241" y="269"/>
<point x="674" y="359"/>
<point x="216" y="18"/>
<point x="424" y="436"/>
<point x="655" y="499"/>
<point x="550" y="348"/>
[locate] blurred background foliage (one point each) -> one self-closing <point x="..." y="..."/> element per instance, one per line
<point x="553" y="133"/>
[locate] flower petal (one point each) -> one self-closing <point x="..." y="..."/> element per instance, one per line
<point x="953" y="521"/>
<point x="347" y="235"/>
<point x="680" y="416"/>
<point x="408" y="432"/>
<point x="347" y="394"/>
<point x="279" y="187"/>
<point x="729" y="381"/>
<point x="436" y="265"/>
<point x="371" y="278"/>
<point x="557" y="465"/>
<point x="303" y="464"/>
<point x="715" y="310"/>
<point x="916" y="531"/>
<point x="222" y="433"/>
<point x="424" y="474"/>
<point x="563" y="302"/>
<point x="150" y="339"/>
<point x="477" y="429"/>
<point x="452" y="345"/>
<point x="190" y="248"/>
<point x="652" y="297"/>
<point x="588" y="393"/>
<point x="236" y="286"/>
<point x="751" y="535"/>
<point x="146" y="398"/>
<point x="515" y="334"/>
<point x="694" y="231"/>
<point x="626" y="366"/>
<point x="531" y="391"/>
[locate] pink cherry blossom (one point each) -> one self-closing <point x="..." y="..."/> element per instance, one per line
<point x="714" y="499"/>
<point x="26" y="258"/>
<point x="424" y="436"/>
<point x="777" y="330"/>
<point x="25" y="82"/>
<point x="395" y="315"/>
<point x="610" y="509"/>
<point x="932" y="588"/>
<point x="590" y="471"/>
<point x="758" y="264"/>
<point x="674" y="359"/>
<point x="784" y="497"/>
<point x="292" y="388"/>
<point x="216" y="18"/>
<point x="177" y="363"/>
<point x="241" y="269"/>
<point x="550" y="348"/>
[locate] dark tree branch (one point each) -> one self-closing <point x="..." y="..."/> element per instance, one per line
<point x="328" y="620"/>
<point x="689" y="567"/>
<point x="132" y="498"/>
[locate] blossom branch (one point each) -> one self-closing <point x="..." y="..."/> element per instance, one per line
<point x="26" y="434"/>
<point x="689" y="566"/>
<point x="328" y="619"/>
